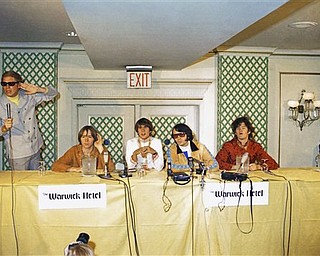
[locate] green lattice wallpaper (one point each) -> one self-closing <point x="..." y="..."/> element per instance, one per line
<point x="242" y="90"/>
<point x="111" y="128"/>
<point x="38" y="68"/>
<point x="163" y="125"/>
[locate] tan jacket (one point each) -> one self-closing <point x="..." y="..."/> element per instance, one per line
<point x="72" y="158"/>
<point x="179" y="162"/>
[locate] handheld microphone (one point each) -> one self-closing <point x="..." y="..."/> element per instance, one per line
<point x="8" y="106"/>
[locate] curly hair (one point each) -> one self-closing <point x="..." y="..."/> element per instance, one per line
<point x="236" y="123"/>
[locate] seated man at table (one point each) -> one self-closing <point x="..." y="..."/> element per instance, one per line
<point x="241" y="143"/>
<point x="144" y="149"/>
<point x="186" y="146"/>
<point x="90" y="144"/>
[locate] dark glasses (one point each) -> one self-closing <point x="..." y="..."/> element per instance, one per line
<point x="181" y="134"/>
<point x="9" y="83"/>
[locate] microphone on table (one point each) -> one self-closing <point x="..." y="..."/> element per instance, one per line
<point x="191" y="164"/>
<point x="124" y="173"/>
<point x="169" y="170"/>
<point x="236" y="176"/>
<point x="106" y="174"/>
<point x="166" y="142"/>
<point x="243" y="160"/>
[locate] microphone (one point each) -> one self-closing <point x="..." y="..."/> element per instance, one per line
<point x="169" y="171"/>
<point x="166" y="142"/>
<point x="106" y="142"/>
<point x="124" y="173"/>
<point x="191" y="163"/>
<point x="243" y="160"/>
<point x="8" y="110"/>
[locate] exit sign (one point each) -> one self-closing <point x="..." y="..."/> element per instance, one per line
<point x="139" y="77"/>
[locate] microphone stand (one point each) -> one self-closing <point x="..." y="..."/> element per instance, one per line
<point x="124" y="173"/>
<point x="191" y="165"/>
<point x="203" y="172"/>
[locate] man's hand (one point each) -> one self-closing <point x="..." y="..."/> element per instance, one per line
<point x="74" y="169"/>
<point x="32" y="89"/>
<point x="7" y="124"/>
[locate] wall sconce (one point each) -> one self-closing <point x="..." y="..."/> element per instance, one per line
<point x="305" y="111"/>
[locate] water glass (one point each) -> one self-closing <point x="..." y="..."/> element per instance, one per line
<point x="89" y="167"/>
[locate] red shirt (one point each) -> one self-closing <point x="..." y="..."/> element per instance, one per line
<point x="226" y="156"/>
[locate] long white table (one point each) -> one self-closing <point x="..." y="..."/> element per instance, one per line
<point x="188" y="228"/>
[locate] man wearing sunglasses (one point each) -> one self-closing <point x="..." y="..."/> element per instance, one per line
<point x="19" y="126"/>
<point x="187" y="146"/>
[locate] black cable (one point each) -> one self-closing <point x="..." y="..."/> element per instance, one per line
<point x="133" y="217"/>
<point x="206" y="224"/>
<point x="192" y="216"/>
<point x="11" y="162"/>
<point x="251" y="209"/>
<point x="285" y="251"/>
<point x="129" y="207"/>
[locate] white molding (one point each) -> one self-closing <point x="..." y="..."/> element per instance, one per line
<point x="117" y="89"/>
<point x="246" y="50"/>
<point x="31" y="45"/>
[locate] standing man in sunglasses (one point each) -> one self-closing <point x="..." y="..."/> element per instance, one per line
<point x="19" y="126"/>
<point x="186" y="147"/>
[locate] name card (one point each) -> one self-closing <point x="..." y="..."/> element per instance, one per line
<point x="227" y="194"/>
<point x="139" y="77"/>
<point x="72" y="196"/>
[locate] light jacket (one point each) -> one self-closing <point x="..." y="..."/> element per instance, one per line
<point x="25" y="138"/>
<point x="179" y="162"/>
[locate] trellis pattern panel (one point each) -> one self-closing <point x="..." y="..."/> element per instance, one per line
<point x="163" y="126"/>
<point x="38" y="68"/>
<point x="242" y="91"/>
<point x="111" y="128"/>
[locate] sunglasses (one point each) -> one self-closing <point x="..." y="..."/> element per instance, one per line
<point x="9" y="83"/>
<point x="181" y="134"/>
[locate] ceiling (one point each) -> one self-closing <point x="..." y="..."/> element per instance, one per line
<point x="168" y="35"/>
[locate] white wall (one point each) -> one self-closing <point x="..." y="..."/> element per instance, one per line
<point x="287" y="77"/>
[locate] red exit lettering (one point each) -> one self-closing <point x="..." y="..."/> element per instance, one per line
<point x="139" y="79"/>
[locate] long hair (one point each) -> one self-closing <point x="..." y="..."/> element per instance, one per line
<point x="87" y="128"/>
<point x="236" y="123"/>
<point x="183" y="128"/>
